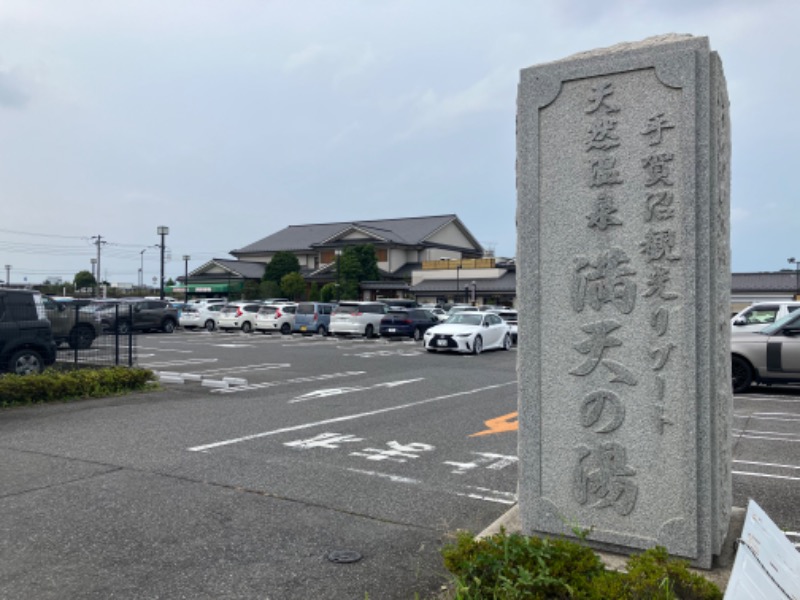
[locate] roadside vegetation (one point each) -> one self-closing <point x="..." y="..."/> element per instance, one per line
<point x="514" y="566"/>
<point x="54" y="385"/>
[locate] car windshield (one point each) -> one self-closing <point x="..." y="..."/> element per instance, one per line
<point x="775" y="327"/>
<point x="465" y="318"/>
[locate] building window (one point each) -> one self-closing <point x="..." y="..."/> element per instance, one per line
<point x="381" y="254"/>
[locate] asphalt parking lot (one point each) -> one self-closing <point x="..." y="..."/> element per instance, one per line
<point x="333" y="448"/>
<point x="321" y="451"/>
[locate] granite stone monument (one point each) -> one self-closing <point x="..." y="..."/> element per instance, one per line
<point x="623" y="274"/>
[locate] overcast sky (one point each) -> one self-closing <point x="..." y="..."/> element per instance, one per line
<point x="228" y="120"/>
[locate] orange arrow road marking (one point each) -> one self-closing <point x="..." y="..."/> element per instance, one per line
<point x="509" y="422"/>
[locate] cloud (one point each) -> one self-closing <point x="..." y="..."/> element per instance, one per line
<point x="13" y="89"/>
<point x="434" y="111"/>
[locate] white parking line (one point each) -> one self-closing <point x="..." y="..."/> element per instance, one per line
<point x="763" y="464"/>
<point x="766" y="476"/>
<point x="353" y="417"/>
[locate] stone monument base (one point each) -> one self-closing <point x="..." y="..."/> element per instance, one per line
<point x="720" y="570"/>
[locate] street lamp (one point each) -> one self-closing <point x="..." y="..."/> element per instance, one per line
<point x="8" y="275"/>
<point x="141" y="267"/>
<point x="793" y="261"/>
<point x="458" y="286"/>
<point x="162" y="231"/>
<point x="474" y="296"/>
<point x="186" y="259"/>
<point x="338" y="252"/>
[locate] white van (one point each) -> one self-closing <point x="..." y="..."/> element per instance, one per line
<point x="357" y="318"/>
<point x="757" y="316"/>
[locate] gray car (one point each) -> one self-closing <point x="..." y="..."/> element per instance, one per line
<point x="771" y="355"/>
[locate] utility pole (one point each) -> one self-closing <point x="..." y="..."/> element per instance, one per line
<point x="98" y="242"/>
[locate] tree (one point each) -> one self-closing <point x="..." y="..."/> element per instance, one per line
<point x="250" y="290"/>
<point x="170" y="282"/>
<point x="293" y="285"/>
<point x="84" y="279"/>
<point x="313" y="292"/>
<point x="282" y="263"/>
<point x="357" y="264"/>
<point x="269" y="289"/>
<point x="328" y="292"/>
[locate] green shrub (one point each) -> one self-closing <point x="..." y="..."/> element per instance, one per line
<point x="60" y="386"/>
<point x="516" y="566"/>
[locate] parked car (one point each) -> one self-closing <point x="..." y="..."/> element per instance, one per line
<point x="440" y="313"/>
<point x="400" y="302"/>
<point x="771" y="355"/>
<point x="510" y="317"/>
<point x="70" y="324"/>
<point x="757" y="316"/>
<point x="271" y="318"/>
<point x="407" y="322"/>
<point x="313" y="317"/>
<point x="472" y="331"/>
<point x="461" y="308"/>
<point x="26" y="335"/>
<point x="200" y="316"/>
<point x="139" y="315"/>
<point x="238" y="315"/>
<point x="357" y="318"/>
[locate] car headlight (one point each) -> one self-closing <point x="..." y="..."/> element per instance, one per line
<point x="463" y="334"/>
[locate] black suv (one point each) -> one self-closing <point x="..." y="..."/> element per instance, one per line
<point x="26" y="337"/>
<point x="142" y="315"/>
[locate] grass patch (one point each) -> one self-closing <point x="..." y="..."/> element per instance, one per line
<point x="59" y="386"/>
<point x="514" y="566"/>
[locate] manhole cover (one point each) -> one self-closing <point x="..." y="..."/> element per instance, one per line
<point x="344" y="556"/>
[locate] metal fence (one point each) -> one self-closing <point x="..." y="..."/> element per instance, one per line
<point x="87" y="336"/>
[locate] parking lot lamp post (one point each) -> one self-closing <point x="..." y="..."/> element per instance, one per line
<point x="163" y="232"/>
<point x="8" y="275"/>
<point x="338" y="252"/>
<point x="793" y="261"/>
<point x="458" y="285"/>
<point x="474" y="294"/>
<point x="186" y="259"/>
<point x="141" y="267"/>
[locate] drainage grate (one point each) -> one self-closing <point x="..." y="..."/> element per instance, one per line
<point x="343" y="556"/>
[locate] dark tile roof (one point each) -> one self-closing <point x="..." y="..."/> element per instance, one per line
<point x="241" y="268"/>
<point x="506" y="284"/>
<point x="781" y="281"/>
<point x="404" y="232"/>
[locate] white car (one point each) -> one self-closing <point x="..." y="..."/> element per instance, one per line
<point x="357" y="318"/>
<point x="509" y="316"/>
<point x="238" y="315"/>
<point x="196" y="316"/>
<point x="272" y="318"/>
<point x="472" y="331"/>
<point x="757" y="316"/>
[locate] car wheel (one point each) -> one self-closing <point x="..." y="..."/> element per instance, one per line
<point x="81" y="338"/>
<point x="247" y="327"/>
<point x="286" y="329"/>
<point x="417" y="334"/>
<point x="507" y="342"/>
<point x="210" y="325"/>
<point x="322" y="331"/>
<point x="477" y="346"/>
<point x="168" y="326"/>
<point x="25" y="362"/>
<point x="369" y="331"/>
<point x="123" y="328"/>
<point x="742" y="374"/>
